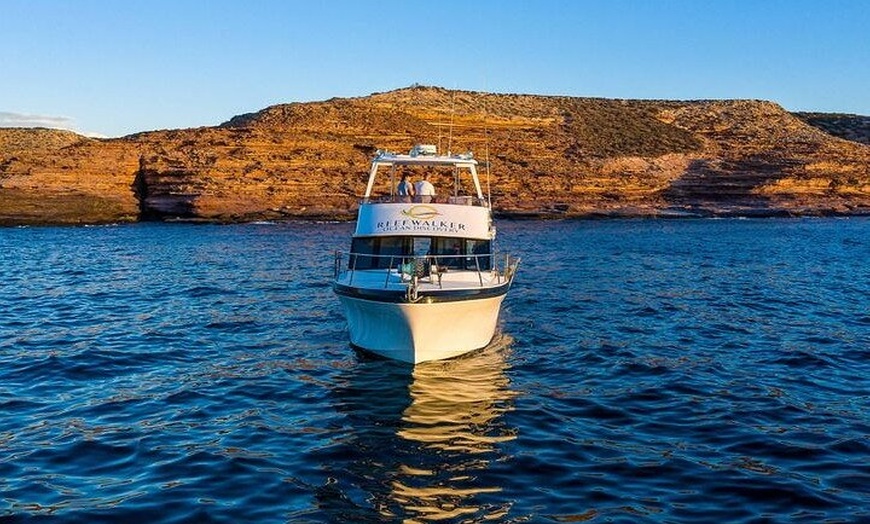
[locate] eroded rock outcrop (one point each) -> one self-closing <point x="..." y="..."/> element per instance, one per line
<point x="547" y="156"/>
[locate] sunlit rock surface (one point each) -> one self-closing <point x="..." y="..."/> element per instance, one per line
<point x="548" y="156"/>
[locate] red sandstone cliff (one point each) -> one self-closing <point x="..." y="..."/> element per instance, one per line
<point x="550" y="156"/>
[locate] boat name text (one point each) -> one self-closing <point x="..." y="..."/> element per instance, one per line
<point x="442" y="226"/>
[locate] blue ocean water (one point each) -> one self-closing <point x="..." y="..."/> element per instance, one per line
<point x="645" y="371"/>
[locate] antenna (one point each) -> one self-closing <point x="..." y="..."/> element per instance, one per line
<point x="452" y="113"/>
<point x="486" y="150"/>
<point x="486" y="158"/>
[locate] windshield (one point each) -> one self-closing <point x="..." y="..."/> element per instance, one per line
<point x="388" y="252"/>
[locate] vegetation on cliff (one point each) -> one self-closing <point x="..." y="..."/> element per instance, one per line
<point x="547" y="156"/>
<point x="849" y="127"/>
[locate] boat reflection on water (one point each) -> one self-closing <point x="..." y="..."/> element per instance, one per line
<point x="454" y="415"/>
<point x="423" y="442"/>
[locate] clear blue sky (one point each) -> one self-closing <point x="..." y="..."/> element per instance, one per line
<point x="115" y="67"/>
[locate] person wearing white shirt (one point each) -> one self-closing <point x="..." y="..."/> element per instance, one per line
<point x="425" y="190"/>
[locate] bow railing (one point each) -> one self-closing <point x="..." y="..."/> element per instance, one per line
<point x="490" y="268"/>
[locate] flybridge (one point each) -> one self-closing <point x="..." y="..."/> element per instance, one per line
<point x="426" y="155"/>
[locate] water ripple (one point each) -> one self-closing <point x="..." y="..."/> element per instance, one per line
<point x="648" y="371"/>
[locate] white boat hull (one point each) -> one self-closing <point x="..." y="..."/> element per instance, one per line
<point x="419" y="332"/>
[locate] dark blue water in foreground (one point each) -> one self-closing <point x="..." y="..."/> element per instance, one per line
<point x="648" y="371"/>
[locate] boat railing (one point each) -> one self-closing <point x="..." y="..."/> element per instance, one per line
<point x="497" y="268"/>
<point x="465" y="200"/>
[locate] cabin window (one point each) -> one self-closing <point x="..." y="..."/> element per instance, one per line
<point x="391" y="247"/>
<point x="422" y="246"/>
<point x="387" y="252"/>
<point x="459" y="253"/>
<point x="480" y="249"/>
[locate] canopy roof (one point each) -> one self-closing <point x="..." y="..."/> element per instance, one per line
<point x="389" y="159"/>
<point x="460" y="163"/>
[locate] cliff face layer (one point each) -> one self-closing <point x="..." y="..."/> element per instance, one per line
<point x="548" y="156"/>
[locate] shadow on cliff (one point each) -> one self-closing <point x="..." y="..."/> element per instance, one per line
<point x="158" y="203"/>
<point x="728" y="187"/>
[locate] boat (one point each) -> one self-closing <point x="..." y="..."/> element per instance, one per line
<point x="421" y="281"/>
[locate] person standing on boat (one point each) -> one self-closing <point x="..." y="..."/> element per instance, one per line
<point x="425" y="190"/>
<point x="405" y="189"/>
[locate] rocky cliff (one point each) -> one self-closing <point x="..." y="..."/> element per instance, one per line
<point x="548" y="156"/>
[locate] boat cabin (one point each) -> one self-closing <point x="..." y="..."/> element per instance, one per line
<point x="454" y="231"/>
<point x="384" y="252"/>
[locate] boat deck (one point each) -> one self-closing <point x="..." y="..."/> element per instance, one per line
<point x="395" y="280"/>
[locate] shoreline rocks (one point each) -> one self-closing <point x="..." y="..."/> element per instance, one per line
<point x="547" y="157"/>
